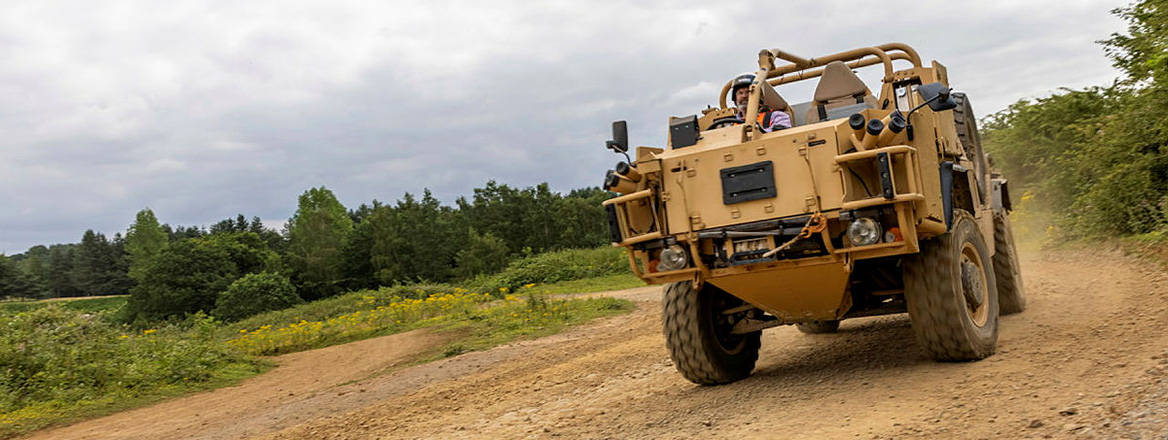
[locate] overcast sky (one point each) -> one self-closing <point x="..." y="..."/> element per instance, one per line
<point x="202" y="110"/>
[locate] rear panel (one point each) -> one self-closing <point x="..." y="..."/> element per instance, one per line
<point x="711" y="186"/>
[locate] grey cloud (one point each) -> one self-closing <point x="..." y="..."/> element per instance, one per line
<point x="201" y="111"/>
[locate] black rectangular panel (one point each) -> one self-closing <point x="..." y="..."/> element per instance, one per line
<point x="748" y="182"/>
<point x="613" y="224"/>
<point x="683" y="131"/>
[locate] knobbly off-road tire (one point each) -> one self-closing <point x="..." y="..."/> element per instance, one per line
<point x="815" y="327"/>
<point x="965" y="122"/>
<point x="966" y="125"/>
<point x="945" y="326"/>
<point x="703" y="351"/>
<point x="1011" y="296"/>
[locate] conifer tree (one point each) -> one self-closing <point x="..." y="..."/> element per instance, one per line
<point x="144" y="241"/>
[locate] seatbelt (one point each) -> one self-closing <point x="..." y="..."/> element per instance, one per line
<point x="822" y="112"/>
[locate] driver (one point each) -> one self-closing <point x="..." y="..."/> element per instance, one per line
<point x="768" y="120"/>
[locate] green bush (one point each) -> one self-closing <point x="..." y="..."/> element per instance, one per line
<point x="1096" y="157"/>
<point x="556" y="266"/>
<point x="255" y="293"/>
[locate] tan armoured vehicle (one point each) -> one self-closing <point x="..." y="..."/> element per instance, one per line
<point x="868" y="205"/>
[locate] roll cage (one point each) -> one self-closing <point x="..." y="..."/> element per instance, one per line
<point x="799" y="69"/>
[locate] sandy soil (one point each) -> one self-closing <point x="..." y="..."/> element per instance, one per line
<point x="302" y="387"/>
<point x="1088" y="359"/>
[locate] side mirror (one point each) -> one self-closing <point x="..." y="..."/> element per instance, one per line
<point x="937" y="96"/>
<point x="620" y="137"/>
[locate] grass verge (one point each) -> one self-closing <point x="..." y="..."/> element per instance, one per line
<point x="588" y="285"/>
<point x="531" y="317"/>
<point x="554" y="267"/>
<point x="58" y="413"/>
<point x="339" y="307"/>
<point x="86" y="305"/>
<point x="60" y="365"/>
<point x="489" y="320"/>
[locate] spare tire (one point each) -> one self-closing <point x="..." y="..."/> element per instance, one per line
<point x="966" y="125"/>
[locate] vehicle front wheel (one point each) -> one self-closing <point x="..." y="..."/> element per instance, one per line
<point x="952" y="294"/>
<point x="699" y="336"/>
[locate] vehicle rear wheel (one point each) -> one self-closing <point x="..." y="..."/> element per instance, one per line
<point x="951" y="294"/>
<point x="814" y="327"/>
<point x="1011" y="296"/>
<point x="699" y="335"/>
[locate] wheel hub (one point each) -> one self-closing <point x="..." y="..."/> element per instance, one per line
<point x="724" y="324"/>
<point x="971" y="284"/>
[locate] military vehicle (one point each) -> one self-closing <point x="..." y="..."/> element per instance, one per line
<point x="868" y="205"/>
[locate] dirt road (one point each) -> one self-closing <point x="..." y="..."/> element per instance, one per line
<point x="1088" y="359"/>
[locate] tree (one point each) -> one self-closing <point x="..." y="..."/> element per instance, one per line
<point x="94" y="265"/>
<point x="275" y="241"/>
<point x="238" y="224"/>
<point x="358" y="250"/>
<point x="14" y="283"/>
<point x="316" y="239"/>
<point x="36" y="265"/>
<point x="415" y="240"/>
<point x="60" y="272"/>
<point x="523" y="218"/>
<point x="144" y="240"/>
<point x="1098" y="157"/>
<point x="482" y="254"/>
<point x="185" y="277"/>
<point x="180" y="232"/>
<point x="247" y="250"/>
<point x="582" y="220"/>
<point x="1142" y="53"/>
<point x="536" y="218"/>
<point x="119" y="269"/>
<point x="188" y="275"/>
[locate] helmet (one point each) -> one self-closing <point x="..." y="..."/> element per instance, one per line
<point x="740" y="81"/>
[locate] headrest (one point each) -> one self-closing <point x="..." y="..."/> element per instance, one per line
<point x="839" y="82"/>
<point x="771" y="98"/>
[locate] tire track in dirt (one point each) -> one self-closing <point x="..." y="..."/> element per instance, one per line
<point x="1083" y="347"/>
<point x="1086" y="360"/>
<point x="303" y="386"/>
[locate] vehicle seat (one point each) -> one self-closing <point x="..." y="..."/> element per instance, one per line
<point x="771" y="99"/>
<point x="839" y="94"/>
<point x="800" y="111"/>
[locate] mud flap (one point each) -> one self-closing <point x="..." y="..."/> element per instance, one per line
<point x="947" y="192"/>
<point x="1001" y="195"/>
